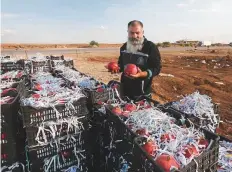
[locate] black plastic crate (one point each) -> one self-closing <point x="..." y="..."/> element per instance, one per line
<point x="96" y="96"/>
<point x="11" y="121"/>
<point x="214" y="166"/>
<point x="59" y="164"/>
<point x="98" y="118"/>
<point x="69" y="63"/>
<point x="16" y="79"/>
<point x="40" y="66"/>
<point x="55" y="63"/>
<point x="119" y="128"/>
<point x="13" y="85"/>
<point x="41" y="152"/>
<point x="193" y="118"/>
<point x="34" y="136"/>
<point x="5" y="57"/>
<point x="7" y="135"/>
<point x="33" y="116"/>
<point x="108" y="146"/>
<point x="144" y="162"/>
<point x="21" y="87"/>
<point x="15" y="167"/>
<point x="117" y="124"/>
<point x="57" y="57"/>
<point x="215" y="107"/>
<point x="9" y="112"/>
<point x="8" y="153"/>
<point x="9" y="66"/>
<point x="27" y="67"/>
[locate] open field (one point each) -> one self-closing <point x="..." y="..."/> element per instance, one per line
<point x="49" y="46"/>
<point x="208" y="71"/>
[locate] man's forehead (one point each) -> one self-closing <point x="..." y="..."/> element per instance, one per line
<point x="135" y="28"/>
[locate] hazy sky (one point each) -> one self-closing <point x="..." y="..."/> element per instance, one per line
<point x="80" y="21"/>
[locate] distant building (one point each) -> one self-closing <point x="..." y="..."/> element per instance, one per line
<point x="185" y="41"/>
<point x="205" y="43"/>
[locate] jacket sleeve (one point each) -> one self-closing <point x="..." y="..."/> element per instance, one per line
<point x="120" y="64"/>
<point x="154" y="61"/>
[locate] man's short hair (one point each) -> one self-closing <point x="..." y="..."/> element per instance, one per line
<point x="134" y="22"/>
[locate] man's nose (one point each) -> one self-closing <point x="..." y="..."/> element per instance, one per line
<point x="134" y="35"/>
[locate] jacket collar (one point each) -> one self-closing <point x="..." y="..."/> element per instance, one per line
<point x="144" y="44"/>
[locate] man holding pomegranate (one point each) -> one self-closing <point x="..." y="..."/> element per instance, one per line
<point x="139" y="62"/>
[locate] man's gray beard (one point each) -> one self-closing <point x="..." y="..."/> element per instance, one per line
<point x="133" y="48"/>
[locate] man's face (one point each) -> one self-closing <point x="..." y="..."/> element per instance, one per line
<point x="135" y="33"/>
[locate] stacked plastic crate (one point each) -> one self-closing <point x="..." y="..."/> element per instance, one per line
<point x="127" y="150"/>
<point x="12" y="132"/>
<point x="56" y="135"/>
<point x="57" y="60"/>
<point x="98" y="94"/>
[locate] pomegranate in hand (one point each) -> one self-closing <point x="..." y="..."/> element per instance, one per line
<point x="131" y="69"/>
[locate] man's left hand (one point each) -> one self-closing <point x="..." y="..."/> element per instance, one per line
<point x="140" y="74"/>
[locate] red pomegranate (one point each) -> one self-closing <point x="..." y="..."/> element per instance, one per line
<point x="38" y="87"/>
<point x="36" y="96"/>
<point x="112" y="66"/>
<point x="190" y="150"/>
<point x="141" y="102"/>
<point x="100" y="89"/>
<point x="203" y="142"/>
<point x="126" y="113"/>
<point x="115" y="86"/>
<point x="147" y="106"/>
<point x="65" y="154"/>
<point x="167" y="162"/>
<point x="19" y="75"/>
<point x="131" y="69"/>
<point x="167" y="137"/>
<point x="142" y="132"/>
<point x="130" y="107"/>
<point x="117" y="110"/>
<point x="6" y="91"/>
<point x="150" y="147"/>
<point x="130" y="126"/>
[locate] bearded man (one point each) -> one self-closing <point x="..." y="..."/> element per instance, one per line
<point x="145" y="55"/>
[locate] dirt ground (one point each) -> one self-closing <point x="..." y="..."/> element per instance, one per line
<point x="208" y="71"/>
<point x="46" y="46"/>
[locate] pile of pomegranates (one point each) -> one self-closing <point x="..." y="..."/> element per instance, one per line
<point x="127" y="108"/>
<point x="171" y="145"/>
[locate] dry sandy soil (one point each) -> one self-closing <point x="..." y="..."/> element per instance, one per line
<point x="207" y="71"/>
<point x="35" y="46"/>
